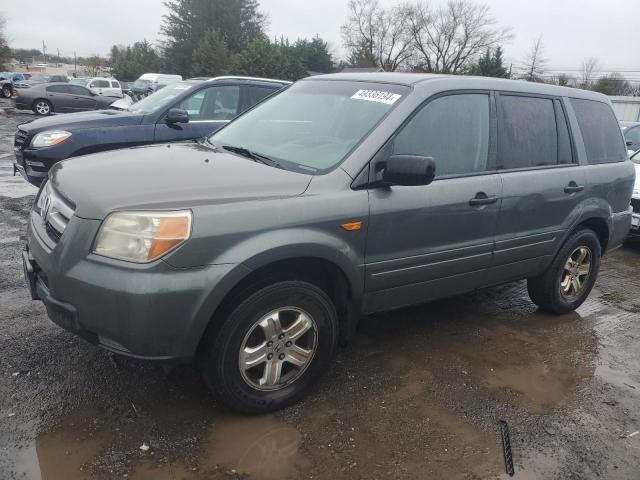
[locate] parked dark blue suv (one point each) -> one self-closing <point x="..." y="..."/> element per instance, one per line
<point x="184" y="110"/>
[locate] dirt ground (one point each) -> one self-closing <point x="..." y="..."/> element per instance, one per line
<point x="418" y="394"/>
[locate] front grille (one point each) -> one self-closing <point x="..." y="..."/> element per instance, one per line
<point x="635" y="203"/>
<point x="55" y="210"/>
<point x="20" y="140"/>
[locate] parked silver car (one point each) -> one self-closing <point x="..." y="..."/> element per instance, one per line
<point x="60" y="98"/>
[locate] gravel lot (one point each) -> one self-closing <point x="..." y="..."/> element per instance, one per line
<point x="417" y="395"/>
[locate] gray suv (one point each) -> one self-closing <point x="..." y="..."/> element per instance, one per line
<point x="255" y="252"/>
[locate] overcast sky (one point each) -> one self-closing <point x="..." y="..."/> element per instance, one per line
<point x="572" y="29"/>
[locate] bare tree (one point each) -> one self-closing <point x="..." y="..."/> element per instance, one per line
<point x="535" y="63"/>
<point x="376" y="35"/>
<point x="94" y="65"/>
<point x="589" y="66"/>
<point x="450" y="38"/>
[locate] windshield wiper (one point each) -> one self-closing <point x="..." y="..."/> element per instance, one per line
<point x="256" y="157"/>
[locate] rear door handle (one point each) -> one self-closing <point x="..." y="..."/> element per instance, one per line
<point x="573" y="187"/>
<point x="481" y="198"/>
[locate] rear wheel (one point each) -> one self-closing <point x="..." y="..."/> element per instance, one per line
<point x="569" y="279"/>
<point x="7" y="91"/>
<point x="42" y="107"/>
<point x="272" y="347"/>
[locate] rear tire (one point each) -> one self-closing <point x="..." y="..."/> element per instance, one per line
<point x="42" y="107"/>
<point x="271" y="348"/>
<point x="569" y="279"/>
<point x="7" y="91"/>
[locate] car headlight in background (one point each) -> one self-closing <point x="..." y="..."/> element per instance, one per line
<point x="142" y="237"/>
<point x="50" y="138"/>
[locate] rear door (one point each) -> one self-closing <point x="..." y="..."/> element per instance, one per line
<point x="208" y="108"/>
<point x="253" y="94"/>
<point x="436" y="240"/>
<point x="543" y="185"/>
<point x="81" y="98"/>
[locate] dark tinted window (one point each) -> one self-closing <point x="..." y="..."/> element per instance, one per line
<point x="58" y="88"/>
<point x="255" y="94"/>
<point x="453" y="130"/>
<point x="213" y="103"/>
<point x="78" y="90"/>
<point x="600" y="131"/>
<point x="527" y="132"/>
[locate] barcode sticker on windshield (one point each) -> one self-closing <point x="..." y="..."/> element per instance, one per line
<point x="376" y="96"/>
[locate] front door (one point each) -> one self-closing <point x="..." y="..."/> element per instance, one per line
<point x="208" y="109"/>
<point x="436" y="240"/>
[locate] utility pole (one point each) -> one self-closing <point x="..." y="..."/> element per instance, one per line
<point x="44" y="53"/>
<point x="58" y="62"/>
<point x="75" y="65"/>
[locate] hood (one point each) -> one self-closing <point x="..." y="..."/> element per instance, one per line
<point x="168" y="176"/>
<point x="82" y="120"/>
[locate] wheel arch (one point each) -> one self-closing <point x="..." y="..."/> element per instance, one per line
<point x="342" y="285"/>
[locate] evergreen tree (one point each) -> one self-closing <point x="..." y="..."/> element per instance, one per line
<point x="490" y="65"/>
<point x="133" y="61"/>
<point x="314" y="55"/>
<point x="238" y="23"/>
<point x="269" y="59"/>
<point x="211" y="57"/>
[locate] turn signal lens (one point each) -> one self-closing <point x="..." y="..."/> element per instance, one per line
<point x="142" y="237"/>
<point x="350" y="227"/>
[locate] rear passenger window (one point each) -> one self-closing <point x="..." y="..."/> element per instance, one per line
<point x="527" y="132"/>
<point x="453" y="130"/>
<point x="600" y="131"/>
<point x="57" y="89"/>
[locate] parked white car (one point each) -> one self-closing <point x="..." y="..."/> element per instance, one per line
<point x="109" y="87"/>
<point x="152" y="82"/>
<point x="635" y="197"/>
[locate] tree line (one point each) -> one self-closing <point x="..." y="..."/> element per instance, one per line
<point x="218" y="37"/>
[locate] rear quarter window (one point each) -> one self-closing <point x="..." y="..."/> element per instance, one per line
<point x="600" y="131"/>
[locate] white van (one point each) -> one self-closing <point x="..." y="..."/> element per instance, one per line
<point x="109" y="87"/>
<point x="150" y="82"/>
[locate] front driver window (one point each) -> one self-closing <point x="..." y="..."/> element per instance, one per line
<point x="453" y="130"/>
<point x="214" y="103"/>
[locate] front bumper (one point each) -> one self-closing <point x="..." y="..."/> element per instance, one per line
<point x="152" y="311"/>
<point x="34" y="164"/>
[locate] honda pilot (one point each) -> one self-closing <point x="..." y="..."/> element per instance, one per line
<point x="255" y="251"/>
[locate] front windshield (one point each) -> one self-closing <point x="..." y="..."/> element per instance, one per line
<point x="159" y="99"/>
<point x="78" y="81"/>
<point x="313" y="124"/>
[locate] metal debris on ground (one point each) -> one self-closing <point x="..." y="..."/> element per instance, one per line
<point x="506" y="447"/>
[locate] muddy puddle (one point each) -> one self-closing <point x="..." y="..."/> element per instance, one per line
<point x="80" y="447"/>
<point x="418" y="395"/>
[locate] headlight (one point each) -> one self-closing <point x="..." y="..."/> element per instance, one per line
<point x="50" y="138"/>
<point x="142" y="237"/>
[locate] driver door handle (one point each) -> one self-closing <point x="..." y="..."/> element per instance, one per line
<point x="573" y="187"/>
<point x="481" y="198"/>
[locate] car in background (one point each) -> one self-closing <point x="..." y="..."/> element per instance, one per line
<point x="635" y="197"/>
<point x="109" y="87"/>
<point x="6" y="88"/>
<point x="60" y="97"/>
<point x="40" y="79"/>
<point x="631" y="131"/>
<point x="152" y="82"/>
<point x="185" y="110"/>
<point x="19" y="76"/>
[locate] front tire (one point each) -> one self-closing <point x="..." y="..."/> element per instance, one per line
<point x="42" y="107"/>
<point x="272" y="347"/>
<point x="7" y="91"/>
<point x="569" y="279"/>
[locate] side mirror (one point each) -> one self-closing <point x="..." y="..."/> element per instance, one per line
<point x="177" y="115"/>
<point x="409" y="170"/>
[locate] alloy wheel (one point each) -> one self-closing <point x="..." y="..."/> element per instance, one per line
<point x="278" y="348"/>
<point x="43" y="108"/>
<point x="576" y="272"/>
